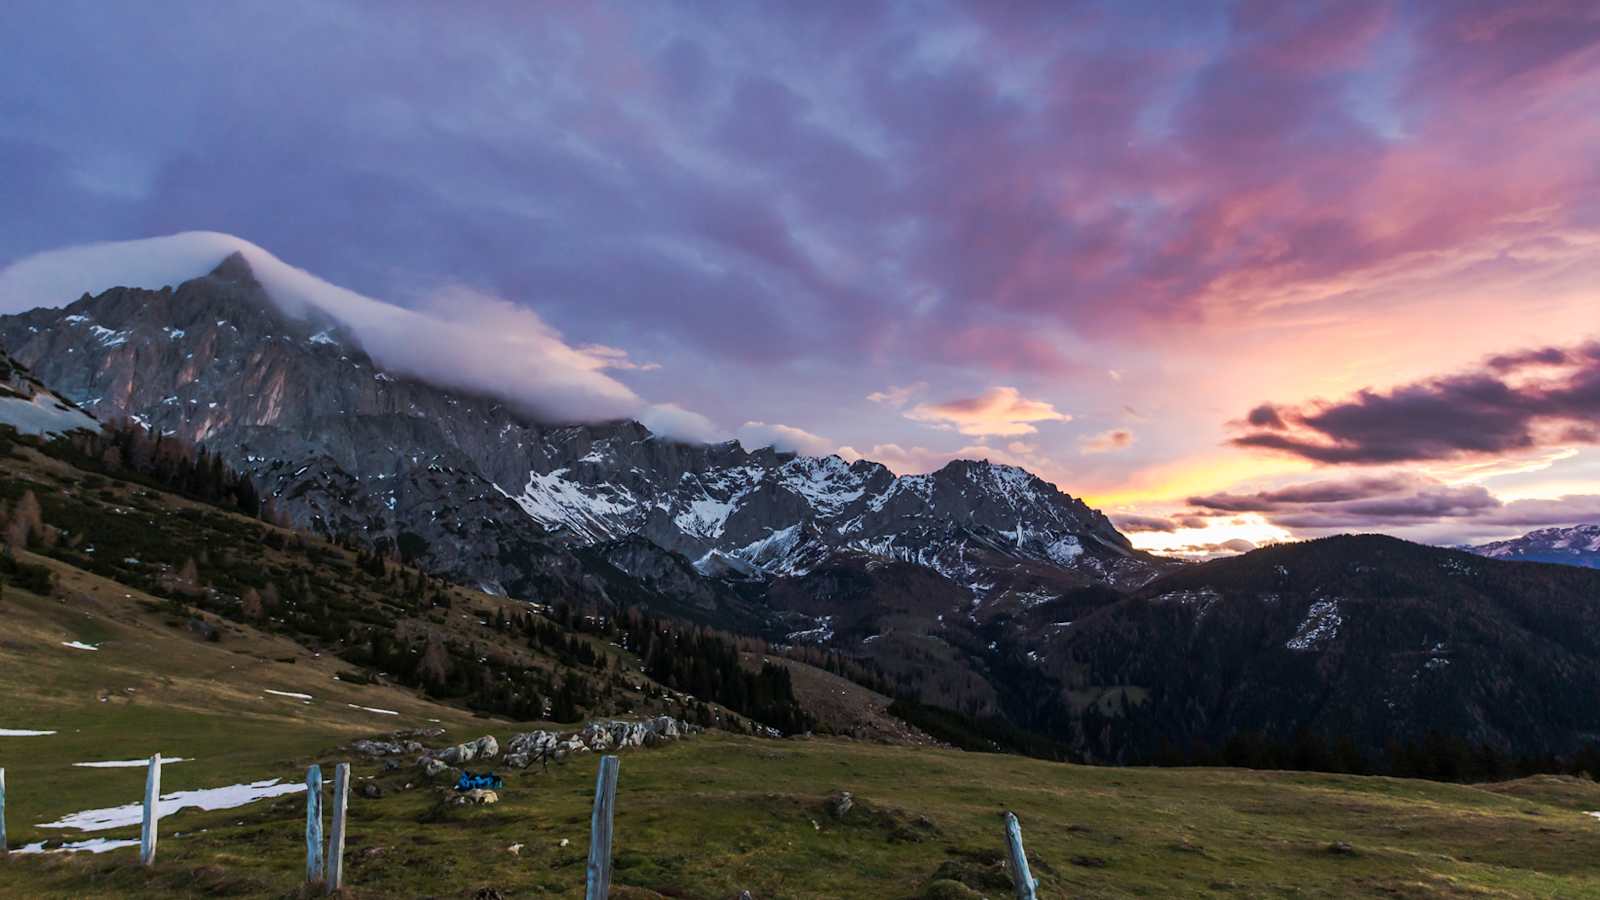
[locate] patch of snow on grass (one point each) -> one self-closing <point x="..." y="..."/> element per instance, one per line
<point x="93" y="845"/>
<point x="130" y="763"/>
<point x="79" y="645"/>
<point x="22" y="732"/>
<point x="227" y="797"/>
<point x="287" y="694"/>
<point x="384" y="712"/>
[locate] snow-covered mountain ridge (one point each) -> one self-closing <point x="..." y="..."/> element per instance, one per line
<point x="1578" y="545"/>
<point x="476" y="489"/>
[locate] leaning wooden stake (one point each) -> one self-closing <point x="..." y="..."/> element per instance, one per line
<point x="605" y="794"/>
<point x="152" y="812"/>
<point x="341" y="800"/>
<point x="1021" y="878"/>
<point x="314" y="823"/>
<point x="3" y="849"/>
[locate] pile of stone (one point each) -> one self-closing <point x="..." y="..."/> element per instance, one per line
<point x="598" y="736"/>
<point x="372" y="747"/>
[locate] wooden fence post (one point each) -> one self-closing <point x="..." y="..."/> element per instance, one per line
<point x="152" y="811"/>
<point x="1021" y="878"/>
<point x="314" y="823"/>
<point x="3" y="849"/>
<point x="341" y="801"/>
<point x="605" y="794"/>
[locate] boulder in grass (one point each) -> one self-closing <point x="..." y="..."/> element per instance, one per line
<point x="839" y="803"/>
<point x="475" y="797"/>
<point x="532" y="743"/>
<point x="595" y="736"/>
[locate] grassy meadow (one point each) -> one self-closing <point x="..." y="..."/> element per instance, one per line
<point x="706" y="817"/>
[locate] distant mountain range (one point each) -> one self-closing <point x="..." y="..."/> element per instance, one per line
<point x="1578" y="545"/>
<point x="979" y="587"/>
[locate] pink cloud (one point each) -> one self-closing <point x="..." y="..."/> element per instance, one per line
<point x="1106" y="441"/>
<point x="999" y="411"/>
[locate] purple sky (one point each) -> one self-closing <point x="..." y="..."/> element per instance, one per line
<point x="1155" y="252"/>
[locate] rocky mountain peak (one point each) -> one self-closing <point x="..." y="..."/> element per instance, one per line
<point x="235" y="268"/>
<point x="351" y="449"/>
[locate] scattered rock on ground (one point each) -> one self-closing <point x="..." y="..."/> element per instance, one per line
<point x="368" y="747"/>
<point x="431" y="731"/>
<point x="370" y="790"/>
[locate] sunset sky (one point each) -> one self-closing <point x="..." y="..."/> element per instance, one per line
<point x="1231" y="272"/>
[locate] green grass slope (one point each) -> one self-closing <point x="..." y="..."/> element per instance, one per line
<point x="707" y="817"/>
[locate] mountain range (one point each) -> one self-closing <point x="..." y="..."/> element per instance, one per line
<point x="1578" y="545"/>
<point x="979" y="587"/>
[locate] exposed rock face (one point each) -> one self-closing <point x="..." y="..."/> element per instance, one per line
<point x="470" y="487"/>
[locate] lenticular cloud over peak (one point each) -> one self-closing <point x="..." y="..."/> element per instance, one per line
<point x="458" y="337"/>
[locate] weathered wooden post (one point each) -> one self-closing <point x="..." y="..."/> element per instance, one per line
<point x="341" y="801"/>
<point x="3" y="848"/>
<point x="1021" y="878"/>
<point x="314" y="823"/>
<point x="605" y="795"/>
<point x="152" y="812"/>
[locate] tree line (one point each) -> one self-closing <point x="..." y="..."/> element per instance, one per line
<point x="128" y="450"/>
